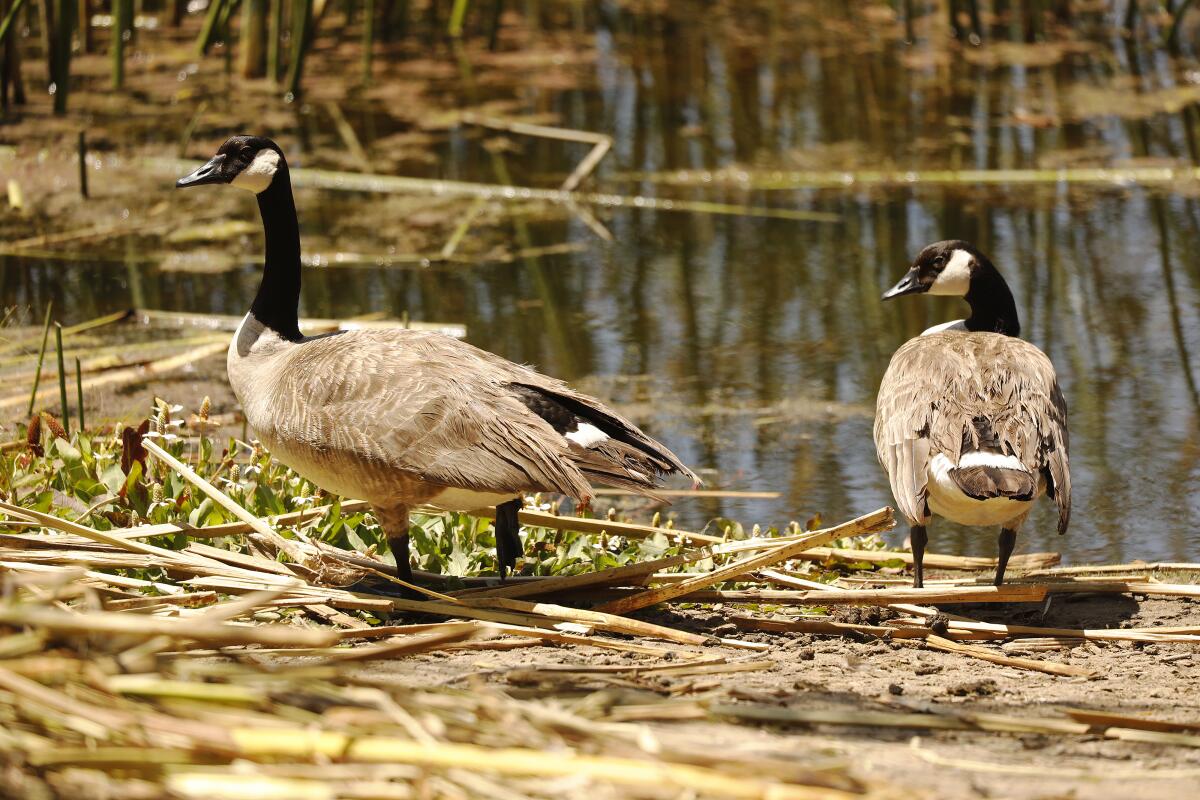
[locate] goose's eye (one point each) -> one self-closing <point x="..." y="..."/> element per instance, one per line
<point x="939" y="262"/>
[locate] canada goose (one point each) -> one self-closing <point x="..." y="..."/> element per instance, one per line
<point x="401" y="417"/>
<point x="970" y="423"/>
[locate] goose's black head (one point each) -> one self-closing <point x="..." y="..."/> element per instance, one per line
<point x="248" y="162"/>
<point x="955" y="268"/>
<point x="943" y="268"/>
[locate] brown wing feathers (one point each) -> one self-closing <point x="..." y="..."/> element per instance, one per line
<point x="984" y="482"/>
<point x="626" y="458"/>
<point x="951" y="393"/>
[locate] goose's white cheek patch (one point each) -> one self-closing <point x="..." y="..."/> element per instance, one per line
<point x="260" y="173"/>
<point x="955" y="279"/>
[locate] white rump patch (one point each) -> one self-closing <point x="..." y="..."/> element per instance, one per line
<point x="947" y="500"/>
<point x="586" y="435"/>
<point x="953" y="325"/>
<point x="260" y="173"/>
<point x="980" y="458"/>
<point x="955" y="278"/>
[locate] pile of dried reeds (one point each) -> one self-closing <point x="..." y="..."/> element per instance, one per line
<point x="232" y="659"/>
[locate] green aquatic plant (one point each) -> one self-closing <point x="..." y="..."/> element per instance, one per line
<point x="104" y="479"/>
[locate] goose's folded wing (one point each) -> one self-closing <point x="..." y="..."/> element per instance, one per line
<point x="454" y="415"/>
<point x="906" y="414"/>
<point x="1041" y="399"/>
<point x="1017" y="392"/>
<point x="943" y="391"/>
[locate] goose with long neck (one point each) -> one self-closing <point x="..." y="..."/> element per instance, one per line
<point x="970" y="422"/>
<point x="403" y="418"/>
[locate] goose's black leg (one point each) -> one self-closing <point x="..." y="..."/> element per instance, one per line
<point x="394" y="522"/>
<point x="395" y="526"/>
<point x="508" y="539"/>
<point x="918" y="538"/>
<point x="1008" y="540"/>
<point x="399" y="548"/>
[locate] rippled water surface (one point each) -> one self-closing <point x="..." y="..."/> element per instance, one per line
<point x="753" y="345"/>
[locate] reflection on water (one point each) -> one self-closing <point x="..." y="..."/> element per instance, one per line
<point x="754" y="347"/>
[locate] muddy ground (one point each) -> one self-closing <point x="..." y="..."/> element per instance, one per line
<point x="1159" y="681"/>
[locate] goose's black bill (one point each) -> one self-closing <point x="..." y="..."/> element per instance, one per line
<point x="910" y="284"/>
<point x="211" y="172"/>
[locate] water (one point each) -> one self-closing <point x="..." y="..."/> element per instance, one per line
<point x="753" y="346"/>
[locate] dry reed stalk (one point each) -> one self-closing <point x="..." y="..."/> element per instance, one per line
<point x="1153" y="737"/>
<point x="874" y="522"/>
<point x="1009" y="593"/>
<point x="1135" y="566"/>
<point x="557" y="637"/>
<point x="847" y="628"/>
<point x="165" y="557"/>
<point x="604" y="621"/>
<point x="1161" y="634"/>
<point x="783" y="579"/>
<point x="188" y="600"/>
<point x="104" y="722"/>
<point x="292" y="549"/>
<point x="517" y="761"/>
<point x="145" y="627"/>
<point x="1049" y="667"/>
<point x="236" y="528"/>
<point x="1037" y="645"/>
<point x="606" y="577"/>
<point x="1084" y="586"/>
<point x="629" y="530"/>
<point x="450" y="633"/>
<point x="934" y="560"/>
<point x="302" y="594"/>
<point x="65" y="559"/>
<point x="252" y="562"/>
<point x="1108" y="719"/>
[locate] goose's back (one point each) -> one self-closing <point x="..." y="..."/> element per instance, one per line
<point x="941" y="389"/>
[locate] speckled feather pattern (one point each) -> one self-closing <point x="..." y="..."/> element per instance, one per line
<point x="397" y="416"/>
<point x="937" y="384"/>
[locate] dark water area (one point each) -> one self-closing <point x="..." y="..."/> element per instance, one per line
<point x="754" y="346"/>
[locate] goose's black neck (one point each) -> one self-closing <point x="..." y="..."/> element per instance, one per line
<point x="278" y="298"/>
<point x="992" y="306"/>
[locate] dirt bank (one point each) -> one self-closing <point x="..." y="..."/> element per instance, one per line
<point x="1156" y="681"/>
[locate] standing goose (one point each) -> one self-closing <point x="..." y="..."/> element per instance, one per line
<point x="403" y="418"/>
<point x="970" y="423"/>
